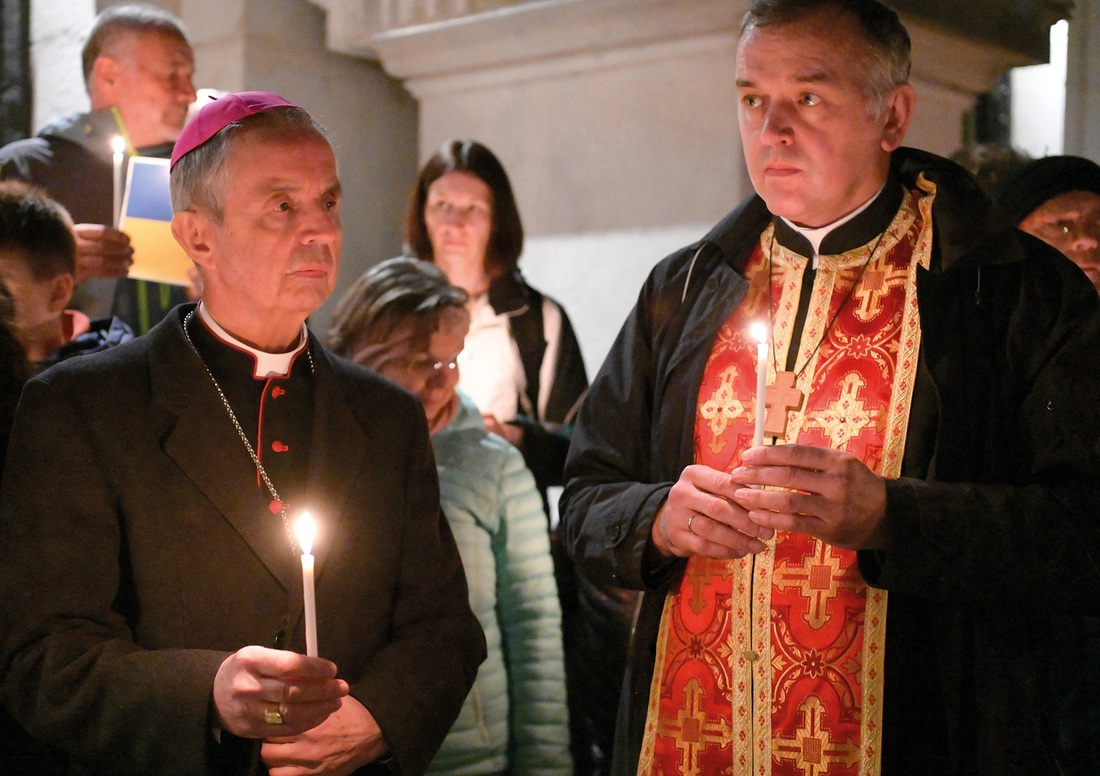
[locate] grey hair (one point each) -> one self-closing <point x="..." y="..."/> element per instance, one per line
<point x="888" y="49"/>
<point x="130" y="19"/>
<point x="197" y="181"/>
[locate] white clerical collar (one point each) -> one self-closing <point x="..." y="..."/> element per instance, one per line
<point x="816" y="235"/>
<point x="267" y="364"/>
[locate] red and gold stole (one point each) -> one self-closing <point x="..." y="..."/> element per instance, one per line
<point x="773" y="665"/>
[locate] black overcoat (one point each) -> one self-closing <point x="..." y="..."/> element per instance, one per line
<point x="139" y="551"/>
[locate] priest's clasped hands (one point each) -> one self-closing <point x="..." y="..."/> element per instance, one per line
<point x="828" y="494"/>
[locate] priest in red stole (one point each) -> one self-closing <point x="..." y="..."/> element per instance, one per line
<point x="869" y="588"/>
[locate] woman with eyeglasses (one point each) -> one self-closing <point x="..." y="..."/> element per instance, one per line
<point x="405" y="321"/>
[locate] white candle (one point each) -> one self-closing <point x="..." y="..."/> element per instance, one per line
<point x="305" y="531"/>
<point x="760" y="333"/>
<point x="119" y="146"/>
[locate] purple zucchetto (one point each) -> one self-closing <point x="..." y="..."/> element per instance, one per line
<point x="218" y="114"/>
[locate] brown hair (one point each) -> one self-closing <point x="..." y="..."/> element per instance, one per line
<point x="38" y="229"/>
<point x="506" y="230"/>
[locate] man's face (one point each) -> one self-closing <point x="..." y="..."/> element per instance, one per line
<point x="814" y="153"/>
<point x="273" y="260"/>
<point x="154" y="86"/>
<point x="1071" y="223"/>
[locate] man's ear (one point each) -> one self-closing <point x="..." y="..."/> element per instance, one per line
<point x="103" y="82"/>
<point x="194" y="232"/>
<point x="61" y="291"/>
<point x="897" y="114"/>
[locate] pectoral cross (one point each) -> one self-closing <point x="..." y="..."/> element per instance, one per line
<point x="780" y="398"/>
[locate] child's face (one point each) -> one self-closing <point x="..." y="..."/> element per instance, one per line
<point x="36" y="301"/>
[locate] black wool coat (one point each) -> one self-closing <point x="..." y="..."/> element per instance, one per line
<point x="139" y="552"/>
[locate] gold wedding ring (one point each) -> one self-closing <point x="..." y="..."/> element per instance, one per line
<point x="690" y="518"/>
<point x="272" y="715"/>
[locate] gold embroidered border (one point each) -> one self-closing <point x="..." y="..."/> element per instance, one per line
<point x="763" y="565"/>
<point x="652" y="717"/>
<point x="874" y="638"/>
<point x="741" y="647"/>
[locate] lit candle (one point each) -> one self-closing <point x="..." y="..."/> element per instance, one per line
<point x="760" y="333"/>
<point x="119" y="146"/>
<point x="305" y="531"/>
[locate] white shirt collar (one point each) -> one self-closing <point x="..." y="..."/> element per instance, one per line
<point x="267" y="364"/>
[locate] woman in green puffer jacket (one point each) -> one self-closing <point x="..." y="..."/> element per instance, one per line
<point x="405" y="321"/>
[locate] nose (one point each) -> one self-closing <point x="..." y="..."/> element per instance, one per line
<point x="185" y="89"/>
<point x="321" y="225"/>
<point x="1083" y="238"/>
<point x="443" y="378"/>
<point x="777" y="127"/>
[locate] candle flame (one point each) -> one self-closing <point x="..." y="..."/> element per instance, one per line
<point x="118" y="144"/>
<point x="305" y="530"/>
<point x="759" y="332"/>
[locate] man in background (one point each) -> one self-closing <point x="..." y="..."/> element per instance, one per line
<point x="1057" y="199"/>
<point x="138" y="68"/>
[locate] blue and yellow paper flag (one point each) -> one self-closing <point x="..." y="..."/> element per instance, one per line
<point x="147" y="218"/>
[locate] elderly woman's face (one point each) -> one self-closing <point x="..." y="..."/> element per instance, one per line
<point x="458" y="212"/>
<point x="1071" y="223"/>
<point x="431" y="374"/>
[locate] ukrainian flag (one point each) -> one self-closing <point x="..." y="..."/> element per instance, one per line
<point x="147" y="218"/>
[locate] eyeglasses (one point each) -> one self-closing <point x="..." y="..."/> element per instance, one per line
<point x="427" y="368"/>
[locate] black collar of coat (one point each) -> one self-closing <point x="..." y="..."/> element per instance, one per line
<point x="860" y="230"/>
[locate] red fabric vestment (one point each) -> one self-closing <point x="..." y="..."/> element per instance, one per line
<point x="773" y="665"/>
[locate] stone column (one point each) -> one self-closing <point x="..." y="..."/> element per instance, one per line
<point x="57" y="36"/>
<point x="1083" y="81"/>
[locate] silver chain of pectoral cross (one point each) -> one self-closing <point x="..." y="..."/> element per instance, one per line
<point x="244" y="437"/>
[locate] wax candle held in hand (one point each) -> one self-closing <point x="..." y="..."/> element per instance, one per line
<point x="305" y="530"/>
<point x="118" y="146"/>
<point x="760" y="333"/>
